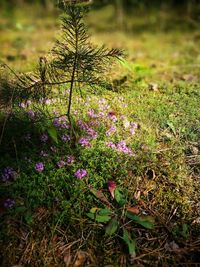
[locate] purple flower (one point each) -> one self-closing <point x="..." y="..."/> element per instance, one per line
<point x="94" y="123"/>
<point x="82" y="125"/>
<point x="53" y="149"/>
<point x="120" y="147"/>
<point x="111" y="145"/>
<point x="48" y="101"/>
<point x="44" y="137"/>
<point x="83" y="141"/>
<point x="61" y="163"/>
<point x="8" y="173"/>
<point x="31" y="114"/>
<point x="22" y="105"/>
<point x="64" y="125"/>
<point x="111" y="115"/>
<point x="134" y="125"/>
<point x="70" y="159"/>
<point x="91" y="133"/>
<point x="9" y="203"/>
<point x="56" y="123"/>
<point x="91" y="113"/>
<point x="65" y="137"/>
<point x="39" y="167"/>
<point x="111" y="130"/>
<point x="80" y="173"/>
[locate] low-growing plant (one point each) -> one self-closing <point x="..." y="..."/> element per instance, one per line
<point x="117" y="216"/>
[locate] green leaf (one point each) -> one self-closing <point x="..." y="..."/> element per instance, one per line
<point x="104" y="212"/>
<point x="91" y="215"/>
<point x="145" y="221"/>
<point x="131" y="243"/>
<point x="119" y="197"/>
<point x="112" y="227"/>
<point x="29" y="218"/>
<point x="99" y="218"/>
<point x="53" y="134"/>
<point x="103" y="218"/>
<point x="185" y="231"/>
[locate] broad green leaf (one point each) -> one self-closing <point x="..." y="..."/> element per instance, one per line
<point x="104" y="212"/>
<point x="99" y="218"/>
<point x="102" y="218"/>
<point x="112" y="227"/>
<point x="119" y="197"/>
<point x="91" y="215"/>
<point x="145" y="221"/>
<point x="53" y="134"/>
<point x="131" y="243"/>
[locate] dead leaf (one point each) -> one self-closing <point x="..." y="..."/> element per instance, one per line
<point x="80" y="259"/>
<point x="196" y="221"/>
<point x="134" y="210"/>
<point x="98" y="194"/>
<point x="137" y="195"/>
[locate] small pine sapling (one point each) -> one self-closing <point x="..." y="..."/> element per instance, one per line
<point x="75" y="59"/>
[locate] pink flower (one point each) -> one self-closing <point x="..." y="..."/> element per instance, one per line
<point x="80" y="173"/>
<point x="39" y="167"/>
<point x="61" y="163"/>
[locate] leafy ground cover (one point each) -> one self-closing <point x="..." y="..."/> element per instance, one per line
<point x="137" y="153"/>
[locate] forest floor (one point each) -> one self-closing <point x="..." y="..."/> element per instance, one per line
<point x="147" y="130"/>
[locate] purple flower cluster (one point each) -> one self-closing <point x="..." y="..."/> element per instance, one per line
<point x="70" y="159"/>
<point x="61" y="123"/>
<point x="44" y="137"/>
<point x="93" y="115"/>
<point x="9" y="203"/>
<point x="80" y="173"/>
<point x="120" y="147"/>
<point x="91" y="133"/>
<point x="82" y="125"/>
<point x="111" y="115"/>
<point x="61" y="163"/>
<point x="133" y="127"/>
<point x="84" y="141"/>
<point x="39" y="167"/>
<point x="111" y="130"/>
<point x="8" y="174"/>
<point x="65" y="137"/>
<point x="31" y="114"/>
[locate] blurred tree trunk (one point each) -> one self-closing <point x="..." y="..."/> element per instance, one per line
<point x="119" y="13"/>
